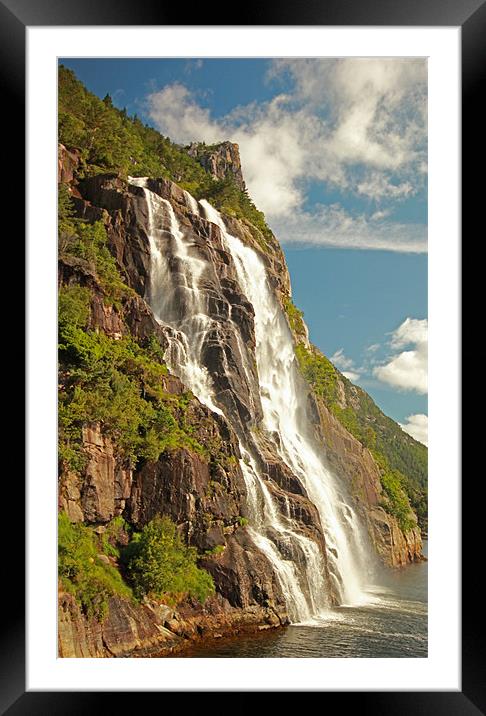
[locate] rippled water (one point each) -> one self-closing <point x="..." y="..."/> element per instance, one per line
<point x="393" y="623"/>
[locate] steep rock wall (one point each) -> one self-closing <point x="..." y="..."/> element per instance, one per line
<point x="206" y="497"/>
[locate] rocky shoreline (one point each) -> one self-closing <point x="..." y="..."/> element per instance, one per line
<point x="155" y="630"/>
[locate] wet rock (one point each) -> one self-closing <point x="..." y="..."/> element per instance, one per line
<point x="244" y="576"/>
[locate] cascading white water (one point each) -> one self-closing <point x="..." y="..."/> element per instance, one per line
<point x="174" y="295"/>
<point x="283" y="397"/>
<point x="310" y="597"/>
<point x="179" y="303"/>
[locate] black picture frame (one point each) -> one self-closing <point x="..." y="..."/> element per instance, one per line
<point x="470" y="15"/>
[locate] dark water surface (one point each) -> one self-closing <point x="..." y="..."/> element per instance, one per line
<point x="392" y="624"/>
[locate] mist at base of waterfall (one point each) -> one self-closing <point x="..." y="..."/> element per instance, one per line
<point x="392" y="624"/>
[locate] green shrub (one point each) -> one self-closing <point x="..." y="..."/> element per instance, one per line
<point x="73" y="307"/>
<point x="65" y="211"/>
<point x="218" y="549"/>
<point x="396" y="500"/>
<point x="89" y="242"/>
<point x="115" y="534"/>
<point x="81" y="572"/>
<point x="159" y="564"/>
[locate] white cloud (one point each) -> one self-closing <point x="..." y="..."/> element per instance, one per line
<point x="177" y="114"/>
<point x="378" y="186"/>
<point x="417" y="426"/>
<point x="355" y="124"/>
<point x="407" y="370"/>
<point x="375" y="108"/>
<point x="193" y="65"/>
<point x="412" y="330"/>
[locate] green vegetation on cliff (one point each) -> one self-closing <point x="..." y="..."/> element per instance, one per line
<point x="402" y="461"/>
<point x="108" y="140"/>
<point x="296" y="318"/>
<point x="89" y="243"/>
<point x="119" y="384"/>
<point x="82" y="573"/>
<point x="156" y="563"/>
<point x="160" y="565"/>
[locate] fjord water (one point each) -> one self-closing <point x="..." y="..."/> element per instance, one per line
<point x="394" y="625"/>
<point x="179" y="299"/>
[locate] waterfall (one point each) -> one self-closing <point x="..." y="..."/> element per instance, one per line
<point x="174" y="296"/>
<point x="283" y="396"/>
<point x="178" y="296"/>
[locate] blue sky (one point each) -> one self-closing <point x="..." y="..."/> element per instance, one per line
<point x="334" y="152"/>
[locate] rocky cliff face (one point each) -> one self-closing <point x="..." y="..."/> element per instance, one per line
<point x="221" y="161"/>
<point x="152" y="629"/>
<point x="205" y="496"/>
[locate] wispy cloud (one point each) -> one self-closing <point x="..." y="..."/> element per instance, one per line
<point x="193" y="65"/>
<point x="334" y="226"/>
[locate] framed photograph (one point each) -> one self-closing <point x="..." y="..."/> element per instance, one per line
<point x="201" y="425"/>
